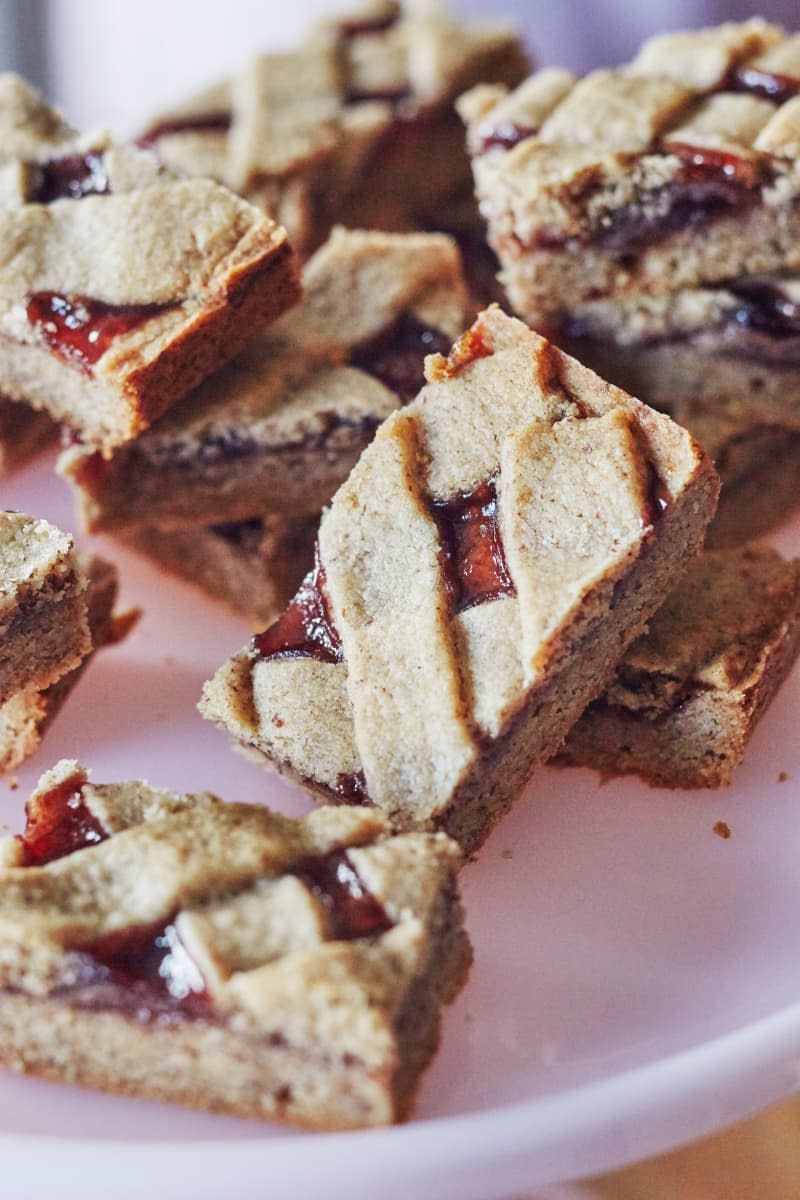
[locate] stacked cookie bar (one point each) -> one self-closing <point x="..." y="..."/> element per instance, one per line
<point x="57" y="609"/>
<point x="227" y="487"/>
<point x="649" y="218"/>
<point x="355" y="127"/>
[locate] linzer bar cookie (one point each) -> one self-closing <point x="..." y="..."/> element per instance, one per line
<point x="225" y="957"/>
<point x="477" y="578"/>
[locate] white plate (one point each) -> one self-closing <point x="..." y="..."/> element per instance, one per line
<point x="636" y="980"/>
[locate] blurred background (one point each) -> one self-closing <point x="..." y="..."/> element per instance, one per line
<point x="110" y="64"/>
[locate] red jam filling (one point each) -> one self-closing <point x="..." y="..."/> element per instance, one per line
<point x="703" y="162"/>
<point x="472" y="555"/>
<point x="69" y="178"/>
<point x="305" y="629"/>
<point x="766" y="308"/>
<point x="658" y="498"/>
<point x="214" y="122"/>
<point x="81" y="329"/>
<point x="396" y="356"/>
<point x="59" y="823"/>
<point x="505" y="135"/>
<point x="352" y="788"/>
<point x="145" y="972"/>
<point x="769" y="84"/>
<point x="352" y="910"/>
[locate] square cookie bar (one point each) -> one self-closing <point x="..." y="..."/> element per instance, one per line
<point x="225" y="957"/>
<point x="25" y="717"/>
<point x="687" y="695"/>
<point x="253" y="566"/>
<point x="43" y="626"/>
<point x="279" y="428"/>
<point x="478" y="577"/>
<point x="675" y="170"/>
<point x="121" y="285"/>
<point x="356" y="126"/>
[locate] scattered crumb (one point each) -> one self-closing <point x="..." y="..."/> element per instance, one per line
<point x="277" y="722"/>
<point x="506" y="854"/>
<point x="13" y="783"/>
<point x="169" y="661"/>
<point x="5" y="828"/>
<point x="722" y="829"/>
<point x="783" y="776"/>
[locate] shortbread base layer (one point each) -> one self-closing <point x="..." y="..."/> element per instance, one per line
<point x="698" y="744"/>
<point x="208" y="1065"/>
<point x="47" y="637"/>
<point x="254" y="567"/>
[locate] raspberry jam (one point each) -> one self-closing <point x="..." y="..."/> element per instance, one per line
<point x="658" y="498"/>
<point x="768" y="84"/>
<point x="147" y="972"/>
<point x="766" y="308"/>
<point x="472" y="554"/>
<point x="214" y="122"/>
<point x="58" y="822"/>
<point x="352" y="910"/>
<point x="305" y="629"/>
<point x="351" y="788"/>
<point x="69" y="178"/>
<point x="80" y="329"/>
<point x="396" y="356"/>
<point x="701" y="163"/>
<point x="505" y="135"/>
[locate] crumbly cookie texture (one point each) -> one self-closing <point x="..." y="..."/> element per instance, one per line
<point x="677" y="169"/>
<point x="43" y="624"/>
<point x="188" y="275"/>
<point x="253" y="566"/>
<point x="723" y="361"/>
<point x="223" y="956"/>
<point x="478" y="576"/>
<point x="279" y="428"/>
<point x="24" y="718"/>
<point x="687" y="695"/>
<point x="356" y="126"/>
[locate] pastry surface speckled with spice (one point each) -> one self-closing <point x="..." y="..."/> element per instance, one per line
<point x="688" y="694"/>
<point x="678" y="169"/>
<point x="225" y="957"/>
<point x="188" y="275"/>
<point x="478" y="576"/>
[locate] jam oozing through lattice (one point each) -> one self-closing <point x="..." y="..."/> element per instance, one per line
<point x="81" y="329"/>
<point x="353" y="912"/>
<point x="472" y="555"/>
<point x="150" y="963"/>
<point x="305" y="628"/>
<point x="396" y="356"/>
<point x="352" y="788"/>
<point x="59" y="823"/>
<point x="212" y="122"/>
<point x="769" y="84"/>
<point x="69" y="178"/>
<point x="766" y="308"/>
<point x="505" y="135"/>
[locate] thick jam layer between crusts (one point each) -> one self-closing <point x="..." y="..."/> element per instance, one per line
<point x="213" y="122"/>
<point x="472" y="555"/>
<point x="81" y="329"/>
<point x="396" y="356"/>
<point x="59" y="823"/>
<point x="305" y="629"/>
<point x="766" y="308"/>
<point x="69" y="178"/>
<point x="352" y="910"/>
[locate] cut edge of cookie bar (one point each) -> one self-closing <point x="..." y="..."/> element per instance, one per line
<point x="25" y="717"/>
<point x="269" y="968"/>
<point x="42" y="604"/>
<point x="679" y="168"/>
<point x="427" y="670"/>
<point x="279" y="428"/>
<point x="23" y="433"/>
<point x="688" y="695"/>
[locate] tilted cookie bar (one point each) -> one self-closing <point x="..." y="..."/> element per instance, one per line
<point x="478" y="576"/>
<point x="279" y="428"/>
<point x="24" y="718"/>
<point x="121" y="286"/>
<point x="356" y="126"/>
<point x="677" y="169"/>
<point x="225" y="957"/>
<point x="687" y="695"/>
<point x="43" y="626"/>
<point x="253" y="566"/>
